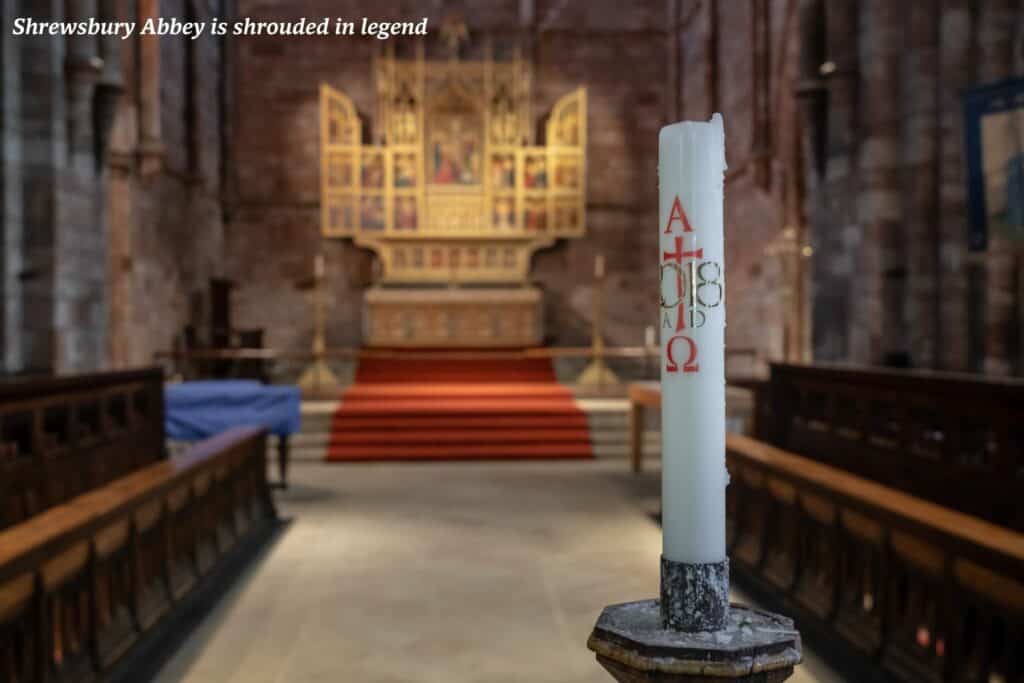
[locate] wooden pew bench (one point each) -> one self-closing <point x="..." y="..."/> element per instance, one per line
<point x="89" y="580"/>
<point x="901" y="588"/>
<point x="957" y="440"/>
<point x="894" y="587"/>
<point x="61" y="437"/>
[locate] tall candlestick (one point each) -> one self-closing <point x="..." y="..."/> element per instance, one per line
<point x="649" y="338"/>
<point x="318" y="266"/>
<point x="691" y="171"/>
<point x="599" y="267"/>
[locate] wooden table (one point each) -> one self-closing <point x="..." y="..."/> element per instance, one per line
<point x="641" y="395"/>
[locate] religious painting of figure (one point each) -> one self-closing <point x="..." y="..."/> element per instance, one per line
<point x="535" y="175"/>
<point x="994" y="136"/>
<point x="491" y="258"/>
<point x="504" y="120"/>
<point x="504" y="213"/>
<point x="473" y="257"/>
<point x="568" y="127"/>
<point x="995" y="157"/>
<point x="399" y="258"/>
<point x="405" y="213"/>
<point x="405" y="170"/>
<point x="503" y="171"/>
<point x="567" y="174"/>
<point x="417" y="257"/>
<point x="536" y="215"/>
<point x="508" y="258"/>
<point x="339" y="125"/>
<point x="373" y="170"/>
<point x="339" y="170"/>
<point x="403" y="117"/>
<point x="455" y="147"/>
<point x="455" y="257"/>
<point x="371" y="213"/>
<point x="341" y="217"/>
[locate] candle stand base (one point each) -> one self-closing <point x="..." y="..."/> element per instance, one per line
<point x="632" y="643"/>
<point x="318" y="379"/>
<point x="597" y="375"/>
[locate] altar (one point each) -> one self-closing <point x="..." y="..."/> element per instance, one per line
<point x="446" y="318"/>
<point x="453" y="196"/>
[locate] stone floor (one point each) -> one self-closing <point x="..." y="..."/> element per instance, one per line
<point x="438" y="572"/>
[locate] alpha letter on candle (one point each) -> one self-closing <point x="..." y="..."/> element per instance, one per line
<point x="691" y="172"/>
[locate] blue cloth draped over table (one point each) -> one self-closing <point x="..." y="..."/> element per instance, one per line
<point x="197" y="410"/>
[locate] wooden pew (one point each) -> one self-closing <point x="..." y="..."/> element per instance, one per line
<point x="89" y="581"/>
<point x="904" y="589"/>
<point x="896" y="587"/>
<point x="61" y="437"/>
<point x="957" y="440"/>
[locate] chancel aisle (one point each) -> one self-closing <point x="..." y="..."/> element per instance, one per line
<point x="454" y="196"/>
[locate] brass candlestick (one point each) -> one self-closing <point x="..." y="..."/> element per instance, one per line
<point x="318" y="377"/>
<point x="597" y="375"/>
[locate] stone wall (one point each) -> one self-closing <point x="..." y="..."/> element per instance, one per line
<point x="894" y="282"/>
<point x="111" y="185"/>
<point x="167" y="164"/>
<point x="740" y="59"/>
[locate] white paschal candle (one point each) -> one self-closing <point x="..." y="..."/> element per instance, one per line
<point x="691" y="173"/>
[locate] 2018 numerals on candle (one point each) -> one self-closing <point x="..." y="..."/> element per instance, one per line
<point x="697" y="282"/>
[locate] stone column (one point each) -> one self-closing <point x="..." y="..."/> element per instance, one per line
<point x="80" y="315"/>
<point x="150" y="139"/>
<point x="82" y="70"/>
<point x="10" y="192"/>
<point x="877" y="320"/>
<point x="997" y="22"/>
<point x="44" y="152"/>
<point x="117" y="126"/>
<point x="920" y="150"/>
<point x="830" y="105"/>
<point x="955" y="67"/>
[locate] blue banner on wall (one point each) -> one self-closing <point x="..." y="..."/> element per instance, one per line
<point x="994" y="138"/>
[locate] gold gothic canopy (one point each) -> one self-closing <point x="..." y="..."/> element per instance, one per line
<point x="453" y="190"/>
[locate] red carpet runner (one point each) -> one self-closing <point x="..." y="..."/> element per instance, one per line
<point x="412" y="409"/>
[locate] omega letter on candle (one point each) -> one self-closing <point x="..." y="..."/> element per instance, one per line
<point x="691" y="171"/>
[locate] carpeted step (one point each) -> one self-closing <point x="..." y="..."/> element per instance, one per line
<point x="457" y="451"/>
<point x="458" y="406"/>
<point x="456" y="390"/>
<point x="406" y="409"/>
<point x="463" y="436"/>
<point x="344" y="422"/>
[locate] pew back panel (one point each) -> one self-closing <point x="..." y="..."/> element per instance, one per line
<point x="957" y="440"/>
<point x="85" y="582"/>
<point x="61" y="437"/>
<point x="911" y="589"/>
